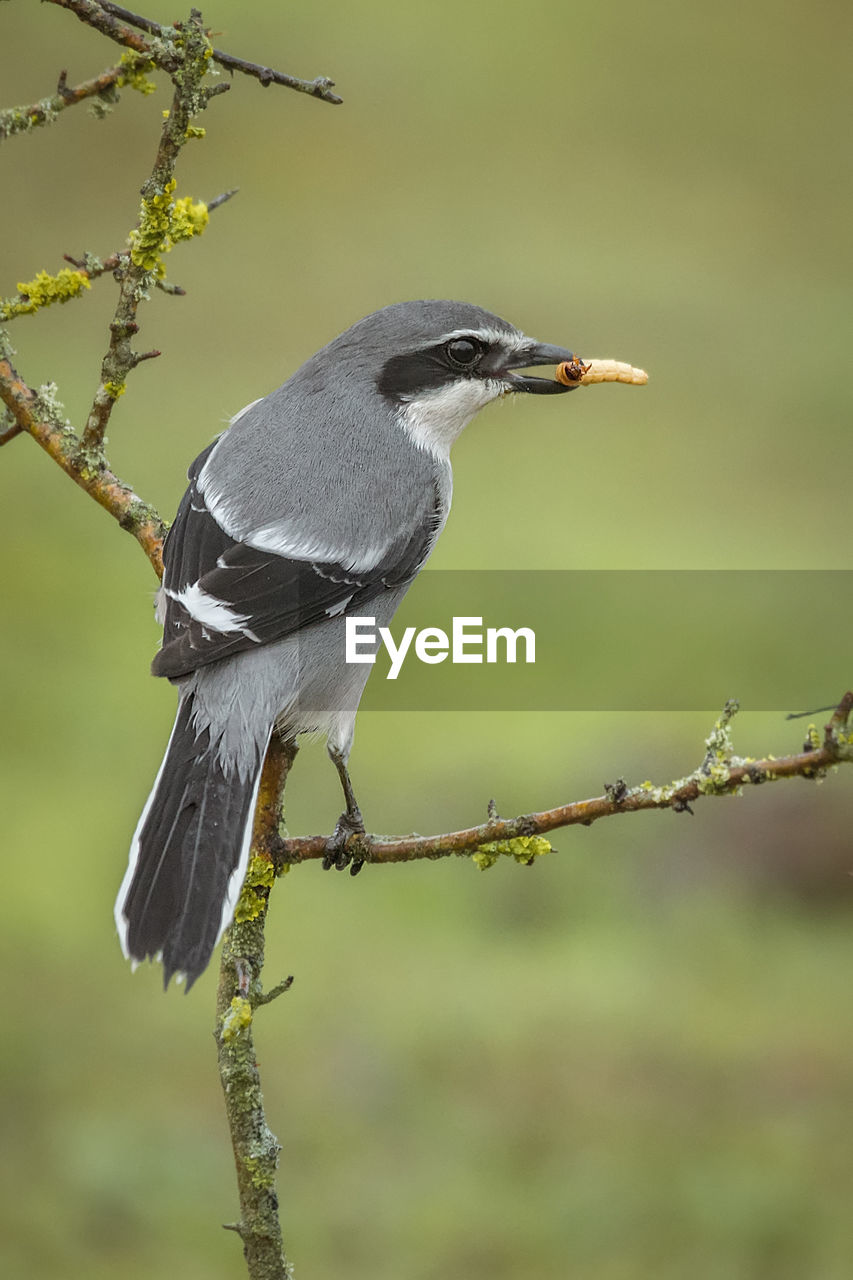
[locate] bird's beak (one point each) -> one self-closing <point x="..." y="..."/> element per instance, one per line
<point x="530" y="356"/>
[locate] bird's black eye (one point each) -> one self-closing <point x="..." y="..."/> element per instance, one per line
<point x="464" y="352"/>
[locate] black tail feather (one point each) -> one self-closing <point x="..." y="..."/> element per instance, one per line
<point x="186" y="855"/>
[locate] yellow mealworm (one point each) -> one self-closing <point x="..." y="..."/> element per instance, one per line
<point x="572" y="372"/>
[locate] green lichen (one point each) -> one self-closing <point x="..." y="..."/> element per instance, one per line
<point x="714" y="774"/>
<point x="260" y="878"/>
<point x="194" y="131"/>
<point x="163" y="222"/>
<point x="135" y="74"/>
<point x="189" y="218"/>
<point x="659" y="795"/>
<point x="44" y="291"/>
<point x="51" y="409"/>
<point x="236" y="1019"/>
<point x="523" y="848"/>
<point x="15" y="120"/>
<point x="115" y="389"/>
<point x="260" y="1171"/>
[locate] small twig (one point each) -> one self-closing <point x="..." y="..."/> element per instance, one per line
<point x="9" y="431"/>
<point x="221" y="199"/>
<point x="321" y="87"/>
<point x="15" y="120"/>
<point x="266" y="997"/>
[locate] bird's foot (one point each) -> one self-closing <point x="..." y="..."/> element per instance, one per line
<point x="340" y="853"/>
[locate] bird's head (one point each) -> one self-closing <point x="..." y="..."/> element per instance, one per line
<point x="437" y="363"/>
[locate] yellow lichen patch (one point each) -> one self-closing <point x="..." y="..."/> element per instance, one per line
<point x="43" y="291"/>
<point x="253" y="897"/>
<point x="189" y="218"/>
<point x="236" y="1019"/>
<point x="135" y="66"/>
<point x="523" y="848"/>
<point x="260" y="1171"/>
<point x="162" y="223"/>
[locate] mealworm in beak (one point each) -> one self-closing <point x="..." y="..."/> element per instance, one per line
<point x="587" y="373"/>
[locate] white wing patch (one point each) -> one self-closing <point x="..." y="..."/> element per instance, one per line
<point x="210" y="612"/>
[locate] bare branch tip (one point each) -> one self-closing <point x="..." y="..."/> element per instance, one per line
<point x="221" y="199"/>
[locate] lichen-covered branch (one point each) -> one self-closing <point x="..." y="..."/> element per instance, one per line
<point x="15" y="120"/>
<point x="320" y="87"/>
<point x="41" y="415"/>
<point x="162" y="222"/>
<point x="720" y="773"/>
<point x="239" y="993"/>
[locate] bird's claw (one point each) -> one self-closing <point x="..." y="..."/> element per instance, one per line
<point x="338" y="854"/>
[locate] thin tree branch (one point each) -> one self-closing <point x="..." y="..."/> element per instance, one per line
<point x="137" y="271"/>
<point x="135" y="19"/>
<point x="38" y="414"/>
<point x="239" y="993"/>
<point x="320" y="87"/>
<point x="721" y="773"/>
<point x="123" y="26"/>
<point x="14" y="120"/>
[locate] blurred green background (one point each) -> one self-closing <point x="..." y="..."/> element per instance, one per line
<point x="636" y="1059"/>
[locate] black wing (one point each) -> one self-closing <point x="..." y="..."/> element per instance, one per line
<point x="223" y="596"/>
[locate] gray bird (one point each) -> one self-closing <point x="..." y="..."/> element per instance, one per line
<point x="324" y="497"/>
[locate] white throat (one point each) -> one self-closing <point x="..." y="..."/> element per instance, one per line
<point x="434" y="419"/>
